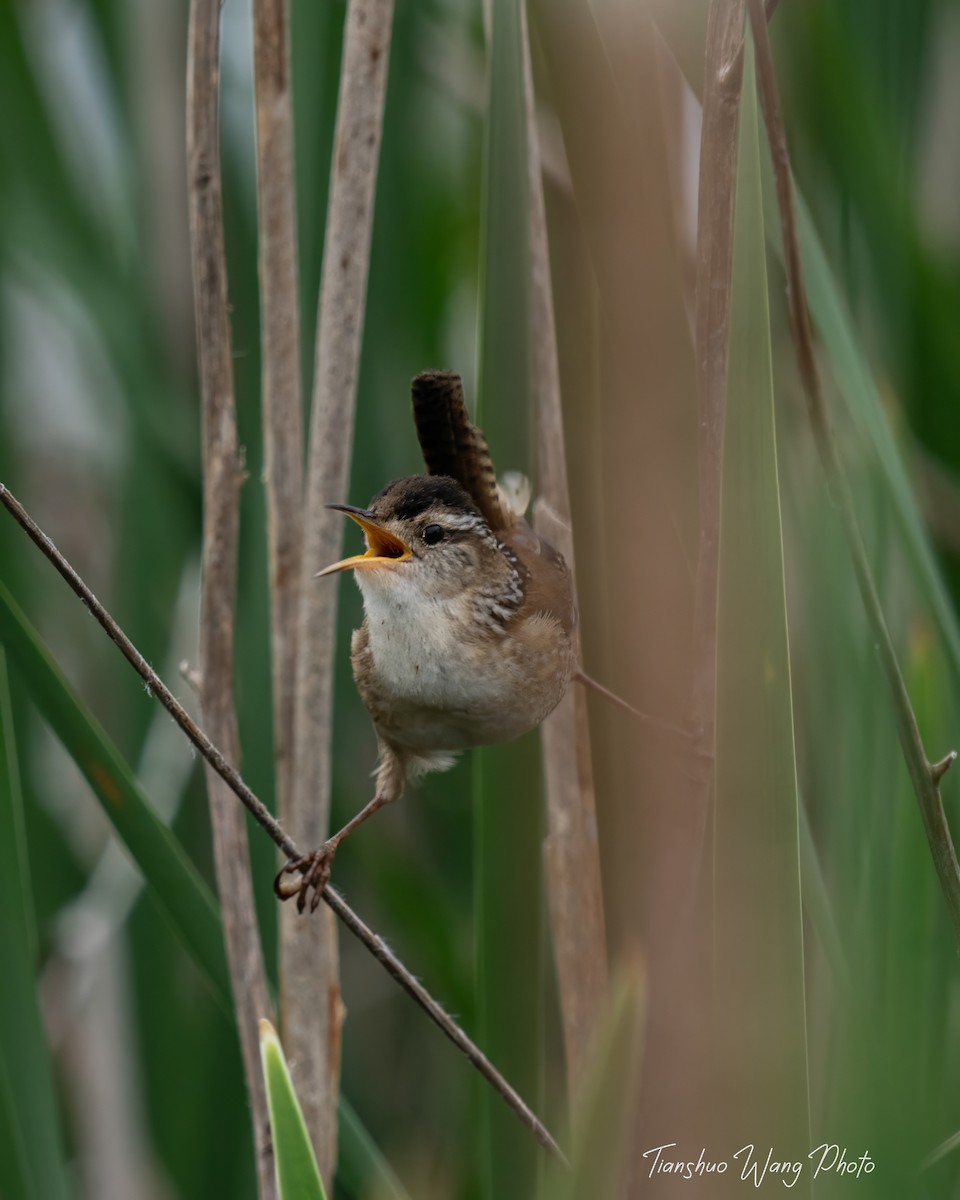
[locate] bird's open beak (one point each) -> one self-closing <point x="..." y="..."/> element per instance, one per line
<point x="382" y="546"/>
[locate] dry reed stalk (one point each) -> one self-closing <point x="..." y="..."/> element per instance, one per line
<point x="571" y="852"/>
<point x="723" y="77"/>
<point x="606" y="72"/>
<point x="280" y="386"/>
<point x="283" y="458"/>
<point x="309" y="956"/>
<point x="222" y="479"/>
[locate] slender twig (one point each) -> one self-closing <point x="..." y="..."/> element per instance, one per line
<point x="389" y="961"/>
<point x="924" y="775"/>
<point x="373" y="944"/>
<point x="571" y="853"/>
<point x="309" y="952"/>
<point x="222" y="479"/>
<point x="155" y="685"/>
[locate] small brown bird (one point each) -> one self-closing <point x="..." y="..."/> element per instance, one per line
<point x="468" y="633"/>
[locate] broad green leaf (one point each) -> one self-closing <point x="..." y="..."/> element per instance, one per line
<point x="171" y="879"/>
<point x="31" y="1150"/>
<point x="761" y="1034"/>
<point x="298" y="1177"/>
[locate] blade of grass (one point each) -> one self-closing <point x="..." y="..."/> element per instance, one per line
<point x="761" y="1043"/>
<point x="818" y="906"/>
<point x="507" y="782"/>
<point x="32" y="1165"/>
<point x="170" y="877"/>
<point x="297" y="1174"/>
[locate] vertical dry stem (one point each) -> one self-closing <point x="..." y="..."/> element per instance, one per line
<point x="723" y="76"/>
<point x="571" y="852"/>
<point x="308" y="948"/>
<point x="222" y="478"/>
<point x="281" y="393"/>
<point x="282" y="447"/>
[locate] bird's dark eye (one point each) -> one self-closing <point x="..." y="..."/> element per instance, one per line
<point x="433" y="534"/>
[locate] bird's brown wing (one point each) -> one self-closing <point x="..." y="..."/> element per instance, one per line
<point x="453" y="445"/>
<point x="548" y="585"/>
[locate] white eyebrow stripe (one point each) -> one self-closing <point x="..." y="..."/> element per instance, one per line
<point x="461" y="521"/>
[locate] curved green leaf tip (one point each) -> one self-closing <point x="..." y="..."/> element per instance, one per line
<point x="298" y="1177"/>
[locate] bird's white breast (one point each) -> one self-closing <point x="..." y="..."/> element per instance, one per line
<point x="439" y="686"/>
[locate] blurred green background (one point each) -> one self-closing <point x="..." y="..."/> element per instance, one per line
<point x="99" y="436"/>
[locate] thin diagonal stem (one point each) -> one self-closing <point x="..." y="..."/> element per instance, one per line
<point x="924" y="776"/>
<point x="371" y="942"/>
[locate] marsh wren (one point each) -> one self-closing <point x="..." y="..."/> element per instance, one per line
<point x="469" y="616"/>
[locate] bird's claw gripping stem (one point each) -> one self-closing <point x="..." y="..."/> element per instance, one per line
<point x="314" y="872"/>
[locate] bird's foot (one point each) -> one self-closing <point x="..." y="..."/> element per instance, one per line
<point x="314" y="872"/>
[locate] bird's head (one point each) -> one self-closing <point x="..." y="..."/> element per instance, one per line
<point x="423" y="534"/>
